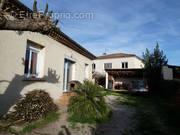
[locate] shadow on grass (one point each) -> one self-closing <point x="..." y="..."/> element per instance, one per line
<point x="155" y="115"/>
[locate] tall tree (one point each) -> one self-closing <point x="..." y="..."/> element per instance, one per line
<point x="153" y="65"/>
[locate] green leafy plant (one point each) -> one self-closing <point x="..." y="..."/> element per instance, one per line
<point x="35" y="105"/>
<point x="88" y="105"/>
<point x="153" y="63"/>
<point x="100" y="79"/>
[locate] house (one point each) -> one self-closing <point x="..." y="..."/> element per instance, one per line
<point x="118" y="68"/>
<point x="31" y="60"/>
<point x="170" y="72"/>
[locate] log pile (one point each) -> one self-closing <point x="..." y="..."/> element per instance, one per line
<point x="35" y="105"/>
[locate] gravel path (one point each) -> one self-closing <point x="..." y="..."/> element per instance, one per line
<point x="121" y="121"/>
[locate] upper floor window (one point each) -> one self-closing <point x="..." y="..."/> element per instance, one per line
<point x="107" y="65"/>
<point x="32" y="61"/>
<point x="124" y="64"/>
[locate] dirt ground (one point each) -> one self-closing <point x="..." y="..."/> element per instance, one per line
<point x="63" y="127"/>
<point x="121" y="121"/>
<point x="119" y="124"/>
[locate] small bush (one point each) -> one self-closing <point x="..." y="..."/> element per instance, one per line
<point x="100" y="79"/>
<point x="89" y="104"/>
<point x="35" y="105"/>
<point x="166" y="88"/>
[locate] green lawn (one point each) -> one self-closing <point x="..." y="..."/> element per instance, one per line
<point x="154" y="115"/>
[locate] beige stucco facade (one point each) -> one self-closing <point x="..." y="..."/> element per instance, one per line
<point x="51" y="65"/>
<point x="133" y="63"/>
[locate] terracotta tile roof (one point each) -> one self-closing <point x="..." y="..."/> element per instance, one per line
<point x="116" y="55"/>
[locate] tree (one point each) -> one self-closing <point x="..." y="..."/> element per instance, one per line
<point x="36" y="23"/>
<point x="153" y="65"/>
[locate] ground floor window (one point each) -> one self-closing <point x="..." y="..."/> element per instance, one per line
<point x="32" y="61"/>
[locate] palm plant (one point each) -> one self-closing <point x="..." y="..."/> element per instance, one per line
<point x="89" y="103"/>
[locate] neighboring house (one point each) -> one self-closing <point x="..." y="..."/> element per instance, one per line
<point x="167" y="73"/>
<point x="170" y="72"/>
<point x="117" y="61"/>
<point x="30" y="60"/>
<point x="118" y="68"/>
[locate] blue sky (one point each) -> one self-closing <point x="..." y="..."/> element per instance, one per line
<point x="121" y="26"/>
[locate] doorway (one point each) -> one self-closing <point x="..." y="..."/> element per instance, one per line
<point x="67" y="74"/>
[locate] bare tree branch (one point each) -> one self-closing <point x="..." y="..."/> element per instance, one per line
<point x="43" y="25"/>
<point x="46" y="10"/>
<point x="35" y="6"/>
<point x="56" y="21"/>
<point x="2" y="4"/>
<point x="50" y="14"/>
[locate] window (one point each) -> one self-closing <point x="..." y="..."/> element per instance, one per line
<point x="86" y="71"/>
<point x="124" y="64"/>
<point x="107" y="65"/>
<point x="32" y="61"/>
<point x="93" y="66"/>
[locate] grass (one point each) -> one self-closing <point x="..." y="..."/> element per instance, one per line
<point x="7" y="129"/>
<point x="50" y="118"/>
<point x="90" y="121"/>
<point x="154" y="115"/>
<point x="79" y="120"/>
<point x="110" y="92"/>
<point x="74" y="126"/>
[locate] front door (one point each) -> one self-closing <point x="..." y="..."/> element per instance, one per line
<point x="67" y="68"/>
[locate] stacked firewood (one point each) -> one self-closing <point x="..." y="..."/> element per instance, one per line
<point x="35" y="105"/>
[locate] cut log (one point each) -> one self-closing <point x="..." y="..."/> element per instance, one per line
<point x="2" y="4"/>
<point x="42" y="23"/>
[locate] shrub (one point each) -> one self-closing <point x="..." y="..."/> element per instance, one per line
<point x="88" y="104"/>
<point x="100" y="79"/>
<point x="35" y="105"/>
<point x="168" y="88"/>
